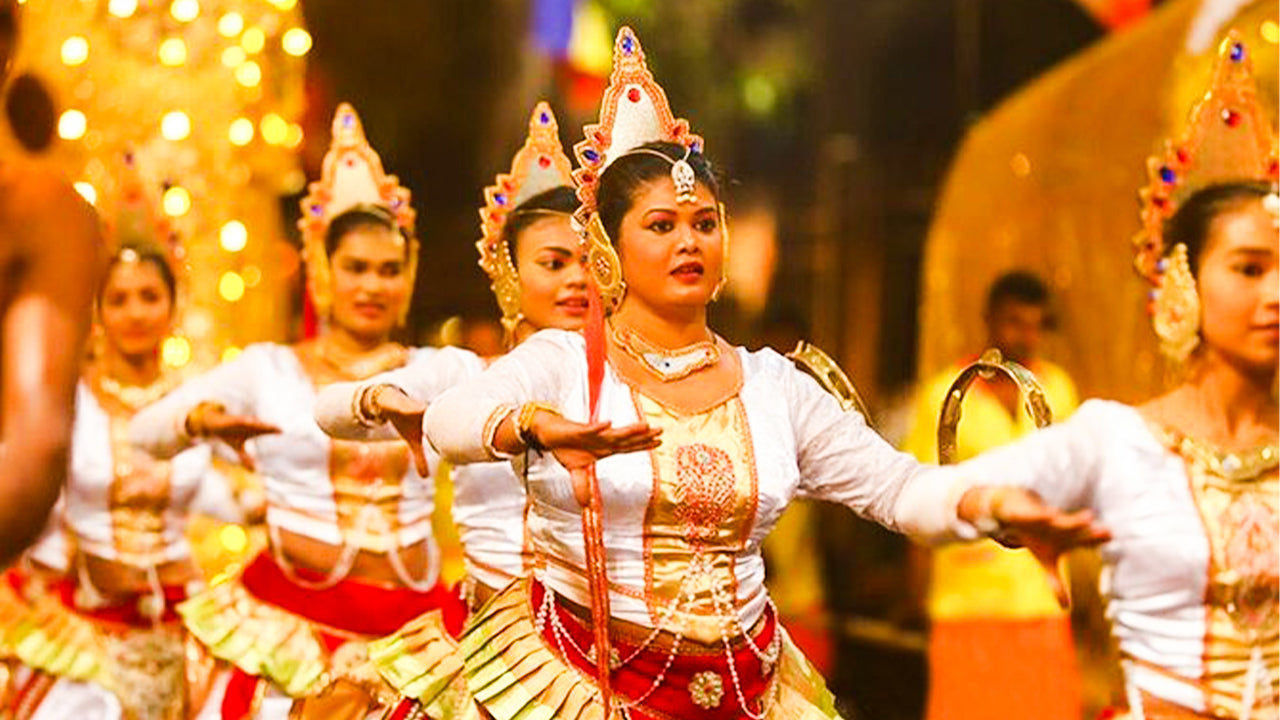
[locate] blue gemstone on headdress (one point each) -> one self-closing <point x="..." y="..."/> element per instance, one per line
<point x="544" y="118"/>
<point x="1237" y="52"/>
<point x="628" y="44"/>
<point x="1161" y="265"/>
<point x="396" y="203"/>
<point x="500" y="198"/>
<point x="1167" y="174"/>
<point x="317" y="209"/>
<point x="348" y="121"/>
<point x="696" y="146"/>
<point x="591" y="155"/>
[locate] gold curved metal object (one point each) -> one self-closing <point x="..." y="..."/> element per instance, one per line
<point x="813" y="361"/>
<point x="991" y="362"/>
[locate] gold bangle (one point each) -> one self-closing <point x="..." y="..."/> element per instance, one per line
<point x="368" y="411"/>
<point x="196" y="424"/>
<point x="524" y="423"/>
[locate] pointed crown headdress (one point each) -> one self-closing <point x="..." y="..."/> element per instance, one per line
<point x="129" y="206"/>
<point x="633" y="112"/>
<point x="1227" y="138"/>
<point x="350" y="177"/>
<point x="540" y="165"/>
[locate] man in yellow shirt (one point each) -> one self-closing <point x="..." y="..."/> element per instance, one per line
<point x="1000" y="646"/>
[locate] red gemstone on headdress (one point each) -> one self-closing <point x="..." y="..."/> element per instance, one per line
<point x="350" y="162"/>
<point x="1231" y="118"/>
<point x="544" y="161"/>
<point x="1159" y="201"/>
<point x="1273" y="167"/>
<point x="633" y="94"/>
<point x="599" y="136"/>
<point x="1182" y="155"/>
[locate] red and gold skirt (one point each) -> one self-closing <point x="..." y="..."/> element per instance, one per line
<point x="516" y="665"/>
<point x="302" y="640"/>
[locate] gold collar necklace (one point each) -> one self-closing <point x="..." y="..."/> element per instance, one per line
<point x="135" y="397"/>
<point x="667" y="365"/>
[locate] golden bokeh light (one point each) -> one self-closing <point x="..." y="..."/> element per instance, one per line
<point x="175" y="351"/>
<point x="241" y="132"/>
<point x="249" y="74"/>
<point x="175" y="126"/>
<point x="75" y="51"/>
<point x="231" y="286"/>
<point x="176" y="201"/>
<point x="296" y="42"/>
<point x="234" y="236"/>
<point x="72" y="124"/>
<point x="172" y="52"/>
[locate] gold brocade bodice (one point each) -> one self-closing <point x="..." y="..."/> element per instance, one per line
<point x="1238" y="497"/>
<point x="140" y="490"/>
<point x="701" y="510"/>
<point x="367" y="477"/>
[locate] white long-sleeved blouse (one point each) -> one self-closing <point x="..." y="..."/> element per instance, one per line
<point x="365" y="494"/>
<point x="121" y="505"/>
<point x="684" y="522"/>
<point x="1186" y="548"/>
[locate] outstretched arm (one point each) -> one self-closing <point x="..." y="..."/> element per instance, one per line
<point x="54" y="247"/>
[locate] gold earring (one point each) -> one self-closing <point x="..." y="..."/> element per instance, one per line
<point x="724" y="254"/>
<point x="605" y="266"/>
<point x="1176" y="317"/>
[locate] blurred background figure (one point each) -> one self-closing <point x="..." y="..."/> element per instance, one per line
<point x="48" y="262"/>
<point x="999" y="643"/>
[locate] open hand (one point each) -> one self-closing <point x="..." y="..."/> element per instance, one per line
<point x="1026" y="521"/>
<point x="577" y="445"/>
<point x="235" y="431"/>
<point x="405" y="415"/>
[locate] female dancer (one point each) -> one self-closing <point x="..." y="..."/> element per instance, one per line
<point x="650" y="594"/>
<point x="351" y="554"/>
<point x="1188" y="481"/>
<point x="533" y="258"/>
<point x="105" y="640"/>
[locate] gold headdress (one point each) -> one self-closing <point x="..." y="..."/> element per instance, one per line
<point x="633" y="112"/>
<point x="129" y="207"/>
<point x="351" y="176"/>
<point x="538" y="166"/>
<point x="1227" y="138"/>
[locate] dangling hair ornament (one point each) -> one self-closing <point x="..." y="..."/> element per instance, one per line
<point x="351" y="176"/>
<point x="684" y="178"/>
<point x="1227" y="138"/>
<point x="540" y="165"/>
<point x="634" y="111"/>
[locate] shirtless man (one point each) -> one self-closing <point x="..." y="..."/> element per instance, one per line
<point x="49" y="266"/>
